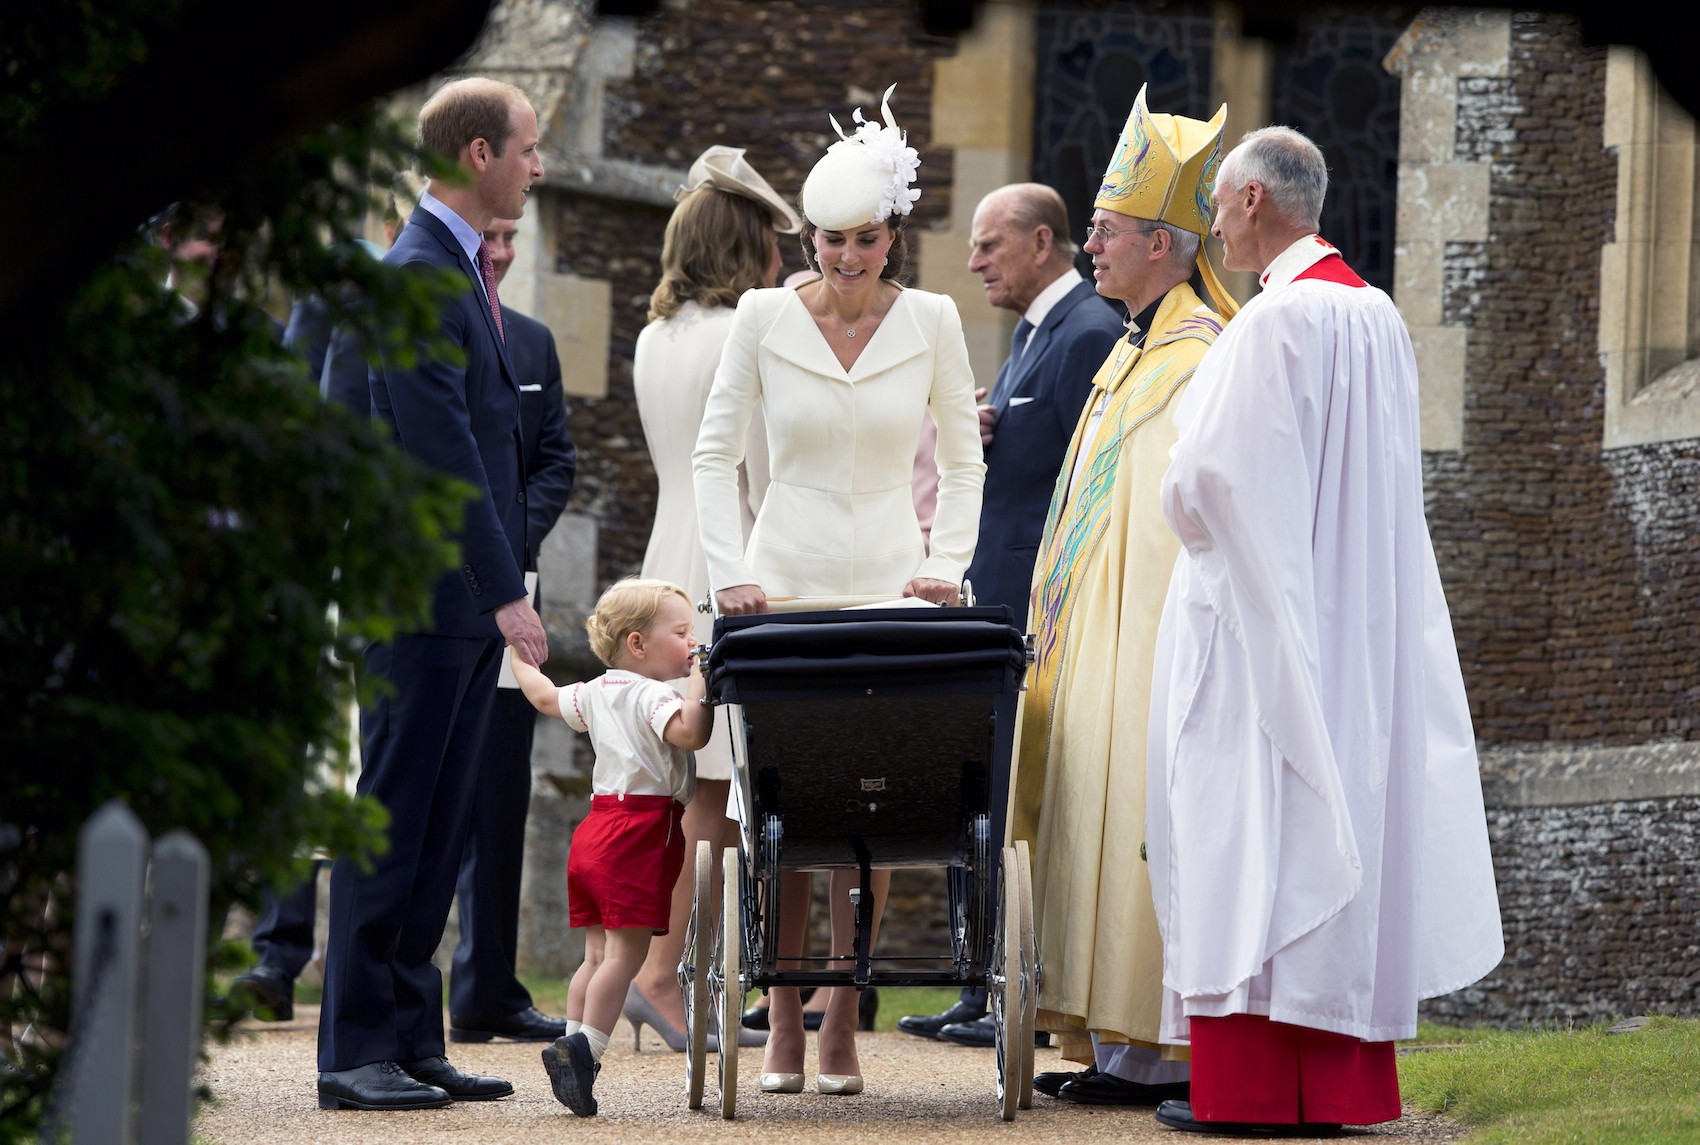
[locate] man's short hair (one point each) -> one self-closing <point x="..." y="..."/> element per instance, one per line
<point x="1183" y="243"/>
<point x="468" y="109"/>
<point x="1034" y="205"/>
<point x="1289" y="166"/>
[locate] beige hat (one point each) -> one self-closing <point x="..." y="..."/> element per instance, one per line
<point x="866" y="177"/>
<point x="726" y="169"/>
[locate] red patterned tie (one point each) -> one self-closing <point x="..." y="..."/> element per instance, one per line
<point x="487" y="269"/>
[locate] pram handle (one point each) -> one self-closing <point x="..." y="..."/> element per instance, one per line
<point x="964" y="596"/>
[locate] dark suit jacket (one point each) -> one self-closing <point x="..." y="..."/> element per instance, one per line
<point x="1036" y="416"/>
<point x="463" y="420"/>
<point x="550" y="459"/>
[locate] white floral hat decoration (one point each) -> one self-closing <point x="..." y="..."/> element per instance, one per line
<point x="865" y="177"/>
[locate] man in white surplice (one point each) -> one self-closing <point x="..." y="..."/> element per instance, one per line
<point x="1317" y="844"/>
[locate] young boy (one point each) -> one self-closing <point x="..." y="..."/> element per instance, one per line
<point x="627" y="854"/>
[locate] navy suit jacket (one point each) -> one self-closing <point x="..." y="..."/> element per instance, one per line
<point x="550" y="459"/>
<point x="463" y="420"/>
<point x="1036" y="415"/>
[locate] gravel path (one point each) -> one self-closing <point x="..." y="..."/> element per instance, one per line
<point x="918" y="1093"/>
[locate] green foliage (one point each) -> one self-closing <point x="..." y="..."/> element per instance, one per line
<point x="179" y="513"/>
<point x="1581" y="1086"/>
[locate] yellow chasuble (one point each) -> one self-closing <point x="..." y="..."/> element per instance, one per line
<point x="1079" y="786"/>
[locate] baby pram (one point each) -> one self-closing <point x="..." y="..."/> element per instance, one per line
<point x="862" y="739"/>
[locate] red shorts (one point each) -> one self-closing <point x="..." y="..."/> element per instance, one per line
<point x="1247" y="1068"/>
<point x="623" y="862"/>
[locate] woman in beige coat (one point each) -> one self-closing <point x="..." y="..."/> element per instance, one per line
<point x="842" y="370"/>
<point x="721" y="241"/>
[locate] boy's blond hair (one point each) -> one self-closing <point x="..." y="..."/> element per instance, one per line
<point x="628" y="606"/>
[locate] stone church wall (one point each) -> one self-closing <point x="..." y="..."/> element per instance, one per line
<point x="1573" y="572"/>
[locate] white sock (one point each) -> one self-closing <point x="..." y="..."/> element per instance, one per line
<point x="573" y="1028"/>
<point x="597" y="1039"/>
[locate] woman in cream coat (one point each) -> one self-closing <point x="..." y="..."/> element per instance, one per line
<point x="842" y="370"/>
<point x="721" y="241"/>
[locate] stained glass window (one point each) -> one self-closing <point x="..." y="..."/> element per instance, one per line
<point x="1329" y="84"/>
<point x="1091" y="61"/>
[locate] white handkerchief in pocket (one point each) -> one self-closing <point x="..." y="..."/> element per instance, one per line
<point x="1019" y="401"/>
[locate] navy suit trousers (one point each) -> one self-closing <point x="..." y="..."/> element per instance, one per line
<point x="482" y="983"/>
<point x="383" y="996"/>
<point x="283" y="934"/>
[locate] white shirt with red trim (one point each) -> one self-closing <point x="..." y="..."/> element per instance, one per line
<point x="1314" y="819"/>
<point x="626" y="715"/>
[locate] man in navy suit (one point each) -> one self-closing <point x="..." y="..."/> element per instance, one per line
<point x="1021" y="250"/>
<point x="381" y="1027"/>
<point x="486" y="998"/>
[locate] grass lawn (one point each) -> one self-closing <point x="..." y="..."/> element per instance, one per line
<point x="1579" y="1085"/>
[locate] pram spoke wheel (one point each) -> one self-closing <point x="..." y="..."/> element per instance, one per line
<point x="732" y="986"/>
<point x="1005" y="985"/>
<point x="1029" y="974"/>
<point x="693" y="975"/>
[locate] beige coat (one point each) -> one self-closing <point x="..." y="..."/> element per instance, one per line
<point x="839" y="515"/>
<point x="671" y="373"/>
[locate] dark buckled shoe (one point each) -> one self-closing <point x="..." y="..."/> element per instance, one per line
<point x="528" y="1025"/>
<point x="1107" y="1089"/>
<point x="379" y="1086"/>
<point x="929" y="1025"/>
<point x="572" y="1073"/>
<point x="266" y="992"/>
<point x="460" y="1086"/>
<point x="1178" y="1115"/>
<point x="1051" y="1081"/>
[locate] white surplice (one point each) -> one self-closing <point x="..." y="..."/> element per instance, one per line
<point x="1317" y="842"/>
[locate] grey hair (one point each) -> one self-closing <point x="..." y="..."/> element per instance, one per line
<point x="1289" y="166"/>
<point x="1183" y="244"/>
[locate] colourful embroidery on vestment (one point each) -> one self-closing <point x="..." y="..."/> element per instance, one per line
<point x="1133" y="385"/>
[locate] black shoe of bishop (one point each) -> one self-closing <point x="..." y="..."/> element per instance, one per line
<point x="461" y="1086"/>
<point x="929" y="1025"/>
<point x="1178" y="1115"/>
<point x="1051" y="1081"/>
<point x="1107" y="1089"/>
<point x="572" y="1073"/>
<point x="380" y="1085"/>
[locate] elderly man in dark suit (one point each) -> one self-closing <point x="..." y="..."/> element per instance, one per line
<point x="1023" y="255"/>
<point x="381" y="1028"/>
<point x="486" y="999"/>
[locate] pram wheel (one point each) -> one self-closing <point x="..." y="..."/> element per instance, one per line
<point x="1011" y="986"/>
<point x="731" y="977"/>
<point x="693" y="975"/>
<point x="1030" y="976"/>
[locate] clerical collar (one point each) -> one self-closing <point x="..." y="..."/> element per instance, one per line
<point x="1140" y="324"/>
<point x="1295" y="260"/>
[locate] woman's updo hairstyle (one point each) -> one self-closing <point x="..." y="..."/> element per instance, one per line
<point x="628" y="606"/>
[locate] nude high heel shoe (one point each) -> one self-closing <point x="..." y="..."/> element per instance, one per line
<point x="839" y="1083"/>
<point x="782" y="1083"/>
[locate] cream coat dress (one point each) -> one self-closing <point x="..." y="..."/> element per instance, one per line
<point x="672" y="371"/>
<point x="839" y="515"/>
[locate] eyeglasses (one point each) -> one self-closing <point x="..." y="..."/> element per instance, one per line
<point x="1108" y="233"/>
